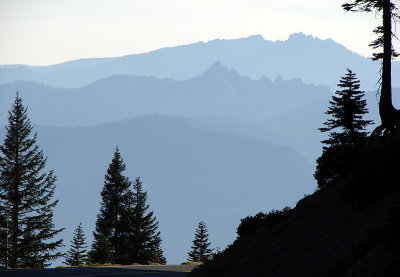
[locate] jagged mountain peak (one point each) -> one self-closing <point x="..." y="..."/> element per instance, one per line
<point x="218" y="70"/>
<point x="300" y="35"/>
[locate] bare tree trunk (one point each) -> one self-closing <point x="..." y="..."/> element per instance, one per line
<point x="386" y="110"/>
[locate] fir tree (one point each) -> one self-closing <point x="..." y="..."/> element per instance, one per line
<point x="200" y="248"/>
<point x="347" y="131"/>
<point x="144" y="238"/>
<point x="110" y="221"/>
<point x="26" y="197"/>
<point x="77" y="254"/>
<point x="100" y="251"/>
<point x="347" y="110"/>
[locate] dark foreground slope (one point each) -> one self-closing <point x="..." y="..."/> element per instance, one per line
<point x="349" y="229"/>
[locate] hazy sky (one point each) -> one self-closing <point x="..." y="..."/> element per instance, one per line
<point x="42" y="32"/>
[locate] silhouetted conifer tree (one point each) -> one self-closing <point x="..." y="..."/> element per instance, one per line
<point x="347" y="130"/>
<point x="26" y="197"/>
<point x="200" y="248"/>
<point x="390" y="117"/>
<point x="77" y="254"/>
<point x="144" y="237"/>
<point x="100" y="251"/>
<point x="346" y="125"/>
<point x="110" y="221"/>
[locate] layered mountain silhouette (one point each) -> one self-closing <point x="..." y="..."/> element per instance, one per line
<point x="311" y="59"/>
<point x="190" y="175"/>
<point x="217" y="92"/>
<point x="250" y="141"/>
<point x="285" y="112"/>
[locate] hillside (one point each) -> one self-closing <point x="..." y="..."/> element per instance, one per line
<point x="309" y="58"/>
<point x="348" y="229"/>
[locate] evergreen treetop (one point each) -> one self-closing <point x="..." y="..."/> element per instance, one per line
<point x="124" y="220"/>
<point x="347" y="108"/>
<point x="77" y="255"/>
<point x="114" y="195"/>
<point x="347" y="131"/>
<point x="26" y="197"/>
<point x="201" y="251"/>
<point x="144" y="235"/>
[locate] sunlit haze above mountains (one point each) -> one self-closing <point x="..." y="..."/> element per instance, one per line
<point x="45" y="32"/>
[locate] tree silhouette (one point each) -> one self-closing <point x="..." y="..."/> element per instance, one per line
<point x="114" y="195"/>
<point x="200" y="248"/>
<point x="124" y="220"/>
<point x="347" y="110"/>
<point x="26" y="194"/>
<point x="77" y="254"/>
<point x="347" y="130"/>
<point x="144" y="238"/>
<point x="390" y="117"/>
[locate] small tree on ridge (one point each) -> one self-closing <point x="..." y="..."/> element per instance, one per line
<point x="201" y="251"/>
<point x="77" y="254"/>
<point x="347" y="131"/>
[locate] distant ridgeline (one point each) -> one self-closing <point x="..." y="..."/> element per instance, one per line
<point x="300" y="56"/>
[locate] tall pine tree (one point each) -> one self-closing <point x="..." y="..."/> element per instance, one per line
<point x="347" y="131"/>
<point x="26" y="197"/>
<point x="110" y="221"/>
<point x="77" y="254"/>
<point x="144" y="237"/>
<point x="124" y="220"/>
<point x="201" y="251"/>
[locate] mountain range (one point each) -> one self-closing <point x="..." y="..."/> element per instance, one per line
<point x="302" y="56"/>
<point x="217" y="92"/>
<point x="216" y="130"/>
<point x="284" y="112"/>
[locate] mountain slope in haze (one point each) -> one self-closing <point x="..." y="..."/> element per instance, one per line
<point x="217" y="92"/>
<point x="348" y="229"/>
<point x="297" y="129"/>
<point x="190" y="175"/>
<point x="311" y="59"/>
<point x="284" y="112"/>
